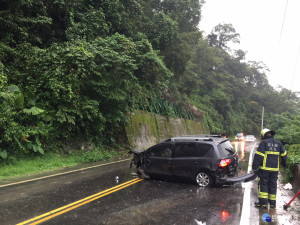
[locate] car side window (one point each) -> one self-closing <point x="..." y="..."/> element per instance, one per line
<point x="186" y="150"/>
<point x="162" y="150"/>
<point x="205" y="150"/>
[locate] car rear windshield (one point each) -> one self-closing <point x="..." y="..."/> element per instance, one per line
<point x="191" y="149"/>
<point x="226" y="149"/>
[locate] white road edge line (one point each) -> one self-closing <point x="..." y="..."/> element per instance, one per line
<point x="58" y="174"/>
<point x="245" y="217"/>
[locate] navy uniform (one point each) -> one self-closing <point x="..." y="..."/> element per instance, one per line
<point x="266" y="162"/>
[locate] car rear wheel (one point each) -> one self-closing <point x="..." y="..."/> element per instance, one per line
<point x="203" y="179"/>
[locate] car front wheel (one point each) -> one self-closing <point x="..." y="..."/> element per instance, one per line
<point x="203" y="179"/>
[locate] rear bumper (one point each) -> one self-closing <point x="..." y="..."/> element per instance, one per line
<point x="235" y="180"/>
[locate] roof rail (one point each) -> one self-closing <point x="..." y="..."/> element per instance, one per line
<point x="214" y="135"/>
<point x="191" y="138"/>
<point x="203" y="135"/>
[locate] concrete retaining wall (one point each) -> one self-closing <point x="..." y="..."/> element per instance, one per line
<point x="296" y="180"/>
<point x="146" y="129"/>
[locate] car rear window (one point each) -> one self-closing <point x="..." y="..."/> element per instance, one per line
<point x="191" y="149"/>
<point x="226" y="149"/>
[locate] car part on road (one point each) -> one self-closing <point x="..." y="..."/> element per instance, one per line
<point x="235" y="180"/>
<point x="204" y="179"/>
<point x="288" y="204"/>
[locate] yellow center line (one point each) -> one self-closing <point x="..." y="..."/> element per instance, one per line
<point x="58" y="174"/>
<point x="78" y="203"/>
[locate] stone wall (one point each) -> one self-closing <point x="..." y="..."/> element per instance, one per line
<point x="146" y="129"/>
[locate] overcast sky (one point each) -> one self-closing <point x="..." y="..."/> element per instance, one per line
<point x="259" y="23"/>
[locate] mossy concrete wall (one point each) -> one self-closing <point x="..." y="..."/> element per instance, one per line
<point x="296" y="180"/>
<point x="146" y="129"/>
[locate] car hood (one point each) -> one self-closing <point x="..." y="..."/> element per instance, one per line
<point x="137" y="152"/>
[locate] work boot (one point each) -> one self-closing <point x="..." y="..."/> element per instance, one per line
<point x="259" y="205"/>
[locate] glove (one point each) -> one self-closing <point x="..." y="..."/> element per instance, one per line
<point x="254" y="171"/>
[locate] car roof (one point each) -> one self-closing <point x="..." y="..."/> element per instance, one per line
<point x="198" y="138"/>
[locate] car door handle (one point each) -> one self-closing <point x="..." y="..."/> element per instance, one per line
<point x="195" y="162"/>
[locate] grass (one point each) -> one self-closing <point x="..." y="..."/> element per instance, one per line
<point x="52" y="161"/>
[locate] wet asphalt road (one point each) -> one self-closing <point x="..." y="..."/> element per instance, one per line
<point x="143" y="202"/>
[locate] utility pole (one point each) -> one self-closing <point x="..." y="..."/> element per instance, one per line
<point x="262" y="118"/>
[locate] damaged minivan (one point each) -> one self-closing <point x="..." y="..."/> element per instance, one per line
<point x="201" y="159"/>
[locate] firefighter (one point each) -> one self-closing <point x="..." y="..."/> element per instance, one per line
<point x="266" y="163"/>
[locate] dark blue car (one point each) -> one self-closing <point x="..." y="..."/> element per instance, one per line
<point x="201" y="159"/>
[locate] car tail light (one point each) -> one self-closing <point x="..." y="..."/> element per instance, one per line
<point x="224" y="162"/>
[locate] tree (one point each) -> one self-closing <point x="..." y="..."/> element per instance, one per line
<point x="161" y="31"/>
<point x="186" y="13"/>
<point x="240" y="55"/>
<point x="222" y="35"/>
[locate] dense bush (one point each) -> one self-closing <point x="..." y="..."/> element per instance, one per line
<point x="293" y="160"/>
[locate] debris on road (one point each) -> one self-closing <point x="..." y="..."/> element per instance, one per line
<point x="200" y="223"/>
<point x="288" y="186"/>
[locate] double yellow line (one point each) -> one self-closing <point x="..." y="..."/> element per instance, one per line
<point x="74" y="205"/>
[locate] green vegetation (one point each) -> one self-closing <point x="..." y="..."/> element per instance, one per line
<point x="72" y="70"/>
<point x="293" y="160"/>
<point x="51" y="161"/>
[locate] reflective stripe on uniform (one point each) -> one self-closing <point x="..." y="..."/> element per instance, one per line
<point x="272" y="197"/>
<point x="263" y="195"/>
<point x="283" y="154"/>
<point x="259" y="153"/>
<point x="268" y="168"/>
<point x="272" y="153"/>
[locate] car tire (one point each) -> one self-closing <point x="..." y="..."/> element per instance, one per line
<point x="203" y="179"/>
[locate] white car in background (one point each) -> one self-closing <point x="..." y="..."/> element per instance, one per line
<point x="250" y="138"/>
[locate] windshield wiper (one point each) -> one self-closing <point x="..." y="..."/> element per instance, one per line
<point x="230" y="150"/>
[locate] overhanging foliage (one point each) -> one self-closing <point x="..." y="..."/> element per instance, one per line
<point x="73" y="69"/>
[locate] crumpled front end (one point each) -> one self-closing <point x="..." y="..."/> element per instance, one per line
<point x="138" y="157"/>
<point x="138" y="161"/>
